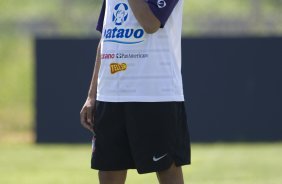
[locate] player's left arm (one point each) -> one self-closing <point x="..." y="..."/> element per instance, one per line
<point x="152" y="14"/>
<point x="145" y="16"/>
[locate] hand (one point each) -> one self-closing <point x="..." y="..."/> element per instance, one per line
<point x="87" y="114"/>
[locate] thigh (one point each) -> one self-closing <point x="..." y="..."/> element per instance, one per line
<point x="112" y="151"/>
<point x="158" y="135"/>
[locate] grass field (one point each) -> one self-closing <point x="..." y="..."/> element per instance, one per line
<point x="212" y="164"/>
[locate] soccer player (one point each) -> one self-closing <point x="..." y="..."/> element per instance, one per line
<point x="135" y="106"/>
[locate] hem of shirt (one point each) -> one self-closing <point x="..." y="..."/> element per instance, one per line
<point x="140" y="98"/>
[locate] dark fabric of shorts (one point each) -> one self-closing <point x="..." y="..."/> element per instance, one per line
<point x="147" y="136"/>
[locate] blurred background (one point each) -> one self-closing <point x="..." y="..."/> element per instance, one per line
<point x="22" y="21"/>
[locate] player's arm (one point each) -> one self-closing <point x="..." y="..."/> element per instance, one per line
<point x="93" y="86"/>
<point x="87" y="111"/>
<point x="145" y="16"/>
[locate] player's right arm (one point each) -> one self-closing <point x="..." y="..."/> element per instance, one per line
<point x="87" y="111"/>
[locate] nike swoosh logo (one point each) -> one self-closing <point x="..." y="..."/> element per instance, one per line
<point x="155" y="159"/>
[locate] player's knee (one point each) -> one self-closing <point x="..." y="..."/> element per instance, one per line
<point x="112" y="177"/>
<point x="173" y="175"/>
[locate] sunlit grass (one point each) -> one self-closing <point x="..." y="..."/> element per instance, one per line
<point x="16" y="87"/>
<point x="211" y="164"/>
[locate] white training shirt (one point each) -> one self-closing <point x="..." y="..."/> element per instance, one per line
<point x="136" y="66"/>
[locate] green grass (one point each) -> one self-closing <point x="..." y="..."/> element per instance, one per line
<point x="212" y="164"/>
<point x="16" y="88"/>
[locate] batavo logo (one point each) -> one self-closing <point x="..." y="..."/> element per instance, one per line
<point x="117" y="67"/>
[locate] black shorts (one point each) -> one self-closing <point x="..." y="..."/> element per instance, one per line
<point x="147" y="136"/>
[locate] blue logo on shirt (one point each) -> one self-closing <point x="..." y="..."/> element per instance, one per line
<point x="161" y="3"/>
<point x="119" y="34"/>
<point x="120" y="14"/>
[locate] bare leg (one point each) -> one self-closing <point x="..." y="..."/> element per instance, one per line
<point x="112" y="177"/>
<point x="171" y="176"/>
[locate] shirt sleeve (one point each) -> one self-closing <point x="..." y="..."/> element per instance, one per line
<point x="100" y="23"/>
<point x="162" y="9"/>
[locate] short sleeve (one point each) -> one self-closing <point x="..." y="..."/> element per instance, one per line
<point x="162" y="9"/>
<point x="101" y="18"/>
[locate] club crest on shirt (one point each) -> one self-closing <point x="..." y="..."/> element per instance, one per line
<point x="117" y="67"/>
<point x="120" y="14"/>
<point x="119" y="32"/>
<point x="161" y="3"/>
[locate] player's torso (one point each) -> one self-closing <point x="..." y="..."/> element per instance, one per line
<point x="136" y="66"/>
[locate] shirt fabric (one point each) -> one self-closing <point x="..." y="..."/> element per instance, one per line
<point x="136" y="66"/>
